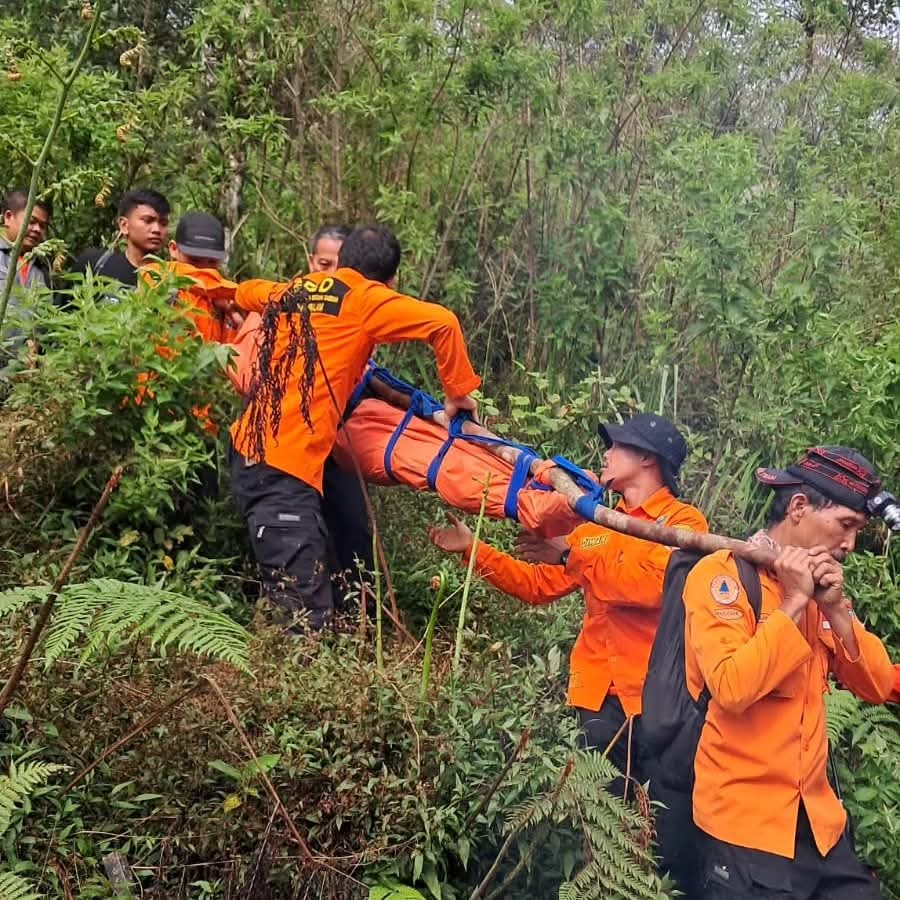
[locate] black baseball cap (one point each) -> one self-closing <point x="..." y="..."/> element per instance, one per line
<point x="200" y="234"/>
<point x="842" y="475"/>
<point x="656" y="434"/>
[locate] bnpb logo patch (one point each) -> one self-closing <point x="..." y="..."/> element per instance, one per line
<point x="724" y="589"/>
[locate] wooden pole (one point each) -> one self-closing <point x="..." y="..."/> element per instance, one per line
<point x="610" y="518"/>
<point x="661" y="534"/>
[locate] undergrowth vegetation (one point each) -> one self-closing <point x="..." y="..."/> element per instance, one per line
<point x="378" y="783"/>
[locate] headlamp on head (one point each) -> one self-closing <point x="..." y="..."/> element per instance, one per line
<point x="884" y="505"/>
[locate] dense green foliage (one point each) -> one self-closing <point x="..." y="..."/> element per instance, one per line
<point x="682" y="206"/>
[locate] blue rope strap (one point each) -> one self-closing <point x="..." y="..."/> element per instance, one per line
<point x="419" y="405"/>
<point x="594" y="494"/>
<point x="455" y="431"/>
<point x="520" y="475"/>
<point x="360" y="390"/>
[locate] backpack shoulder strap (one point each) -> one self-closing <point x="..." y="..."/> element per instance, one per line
<point x="749" y="576"/>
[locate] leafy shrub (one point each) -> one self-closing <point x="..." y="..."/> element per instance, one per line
<point x="24" y="781"/>
<point x="867" y="742"/>
<point x="102" y="395"/>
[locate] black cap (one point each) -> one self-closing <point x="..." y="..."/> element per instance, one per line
<point x="200" y="234"/>
<point x="657" y="434"/>
<point x="843" y="475"/>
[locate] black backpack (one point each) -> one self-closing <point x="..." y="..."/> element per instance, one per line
<point x="671" y="720"/>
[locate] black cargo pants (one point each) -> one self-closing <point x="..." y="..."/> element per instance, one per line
<point x="737" y="873"/>
<point x="347" y="518"/>
<point x="289" y="540"/>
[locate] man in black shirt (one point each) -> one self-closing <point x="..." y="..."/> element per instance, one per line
<point x="144" y="223"/>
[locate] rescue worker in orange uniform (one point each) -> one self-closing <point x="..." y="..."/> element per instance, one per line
<point x="198" y="252"/>
<point x="895" y="693"/>
<point x="621" y="577"/>
<point x="316" y="336"/>
<point x="343" y="502"/>
<point x="774" y="825"/>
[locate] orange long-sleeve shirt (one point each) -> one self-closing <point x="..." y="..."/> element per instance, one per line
<point x="764" y="746"/>
<point x="350" y="315"/>
<point x="196" y="302"/>
<point x="197" y="306"/>
<point x="622" y="580"/>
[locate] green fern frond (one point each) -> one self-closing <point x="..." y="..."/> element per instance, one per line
<point x="846" y="715"/>
<point x="12" y="887"/>
<point x="16" y="600"/>
<point x="110" y="611"/>
<point x="618" y="865"/>
<point x="19" y="784"/>
<point x="841" y="710"/>
<point x="72" y="617"/>
<point x="594" y="768"/>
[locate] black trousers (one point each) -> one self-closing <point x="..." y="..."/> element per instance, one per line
<point x="736" y="873"/>
<point x="347" y="519"/>
<point x="601" y="727"/>
<point x="289" y="539"/>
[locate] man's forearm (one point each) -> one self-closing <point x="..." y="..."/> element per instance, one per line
<point x="841" y="620"/>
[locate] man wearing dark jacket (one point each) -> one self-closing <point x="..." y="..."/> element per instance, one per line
<point x="29" y="274"/>
<point x="144" y="224"/>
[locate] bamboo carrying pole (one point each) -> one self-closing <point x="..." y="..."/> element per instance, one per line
<point x="661" y="534"/>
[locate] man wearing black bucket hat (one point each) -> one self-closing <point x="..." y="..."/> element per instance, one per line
<point x="660" y="441"/>
<point x="621" y="577"/>
<point x="773" y="824"/>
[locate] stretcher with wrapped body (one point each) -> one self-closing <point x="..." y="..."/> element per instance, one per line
<point x="400" y="435"/>
<point x="394" y="439"/>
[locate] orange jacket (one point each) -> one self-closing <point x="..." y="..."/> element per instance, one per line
<point x="350" y="315"/>
<point x="895" y="693"/>
<point x="764" y="745"/>
<point x="197" y="306"/>
<point x="209" y="322"/>
<point x="622" y="580"/>
<point x="246" y="348"/>
<point x="196" y="300"/>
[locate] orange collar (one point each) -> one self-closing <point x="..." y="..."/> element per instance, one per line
<point x="653" y="507"/>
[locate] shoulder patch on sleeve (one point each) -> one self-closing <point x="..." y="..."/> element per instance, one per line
<point x="724" y="589"/>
